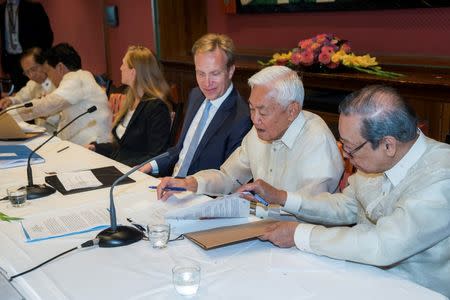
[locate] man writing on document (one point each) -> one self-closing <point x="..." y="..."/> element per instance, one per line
<point x="217" y="118"/>
<point x="399" y="198"/>
<point x="287" y="148"/>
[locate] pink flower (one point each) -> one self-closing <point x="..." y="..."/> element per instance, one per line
<point x="327" y="49"/>
<point x="296" y="58"/>
<point x="307" y="57"/>
<point x="324" y="58"/>
<point x="345" y="47"/>
<point x="305" y="43"/>
<point x="320" y="38"/>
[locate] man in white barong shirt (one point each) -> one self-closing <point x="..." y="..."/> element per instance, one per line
<point x="399" y="198"/>
<point x="287" y="147"/>
<point x="76" y="91"/>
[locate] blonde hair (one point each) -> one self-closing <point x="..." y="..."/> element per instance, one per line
<point x="149" y="79"/>
<point x="212" y="41"/>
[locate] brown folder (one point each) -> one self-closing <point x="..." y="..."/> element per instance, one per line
<point x="217" y="237"/>
<point x="10" y="130"/>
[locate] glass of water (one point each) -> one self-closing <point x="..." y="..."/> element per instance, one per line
<point x="186" y="278"/>
<point x="17" y="196"/>
<point x="158" y="235"/>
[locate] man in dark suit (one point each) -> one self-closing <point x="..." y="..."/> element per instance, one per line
<point x="217" y="118"/>
<point x="23" y="25"/>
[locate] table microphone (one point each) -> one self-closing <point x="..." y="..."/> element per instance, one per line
<point x="35" y="191"/>
<point x="117" y="236"/>
<point x="28" y="104"/>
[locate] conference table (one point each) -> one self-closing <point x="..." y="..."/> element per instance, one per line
<point x="250" y="270"/>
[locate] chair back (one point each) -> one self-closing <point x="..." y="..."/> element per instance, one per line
<point x="349" y="169"/>
<point x="176" y="115"/>
<point x="115" y="102"/>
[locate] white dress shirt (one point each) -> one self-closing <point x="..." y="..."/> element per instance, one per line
<point x="306" y="158"/>
<point x="76" y="92"/>
<point x="402" y="218"/>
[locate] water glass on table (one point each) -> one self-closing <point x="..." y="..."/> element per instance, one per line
<point x="17" y="196"/>
<point x="158" y="235"/>
<point x="186" y="278"/>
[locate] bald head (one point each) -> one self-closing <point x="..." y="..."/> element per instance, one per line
<point x="383" y="112"/>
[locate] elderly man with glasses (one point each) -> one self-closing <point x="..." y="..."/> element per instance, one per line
<point x="399" y="198"/>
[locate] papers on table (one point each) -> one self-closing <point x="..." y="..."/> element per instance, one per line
<point x="30" y="128"/>
<point x="68" y="222"/>
<point x="229" y="206"/>
<point x="78" y="180"/>
<point x="17" y="155"/>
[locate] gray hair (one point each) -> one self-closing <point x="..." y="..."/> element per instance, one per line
<point x="286" y="84"/>
<point x="383" y="112"/>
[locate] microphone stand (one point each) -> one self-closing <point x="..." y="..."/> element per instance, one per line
<point x="117" y="236"/>
<point x="28" y="104"/>
<point x="35" y="191"/>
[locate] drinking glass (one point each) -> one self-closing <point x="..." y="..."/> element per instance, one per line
<point x="158" y="235"/>
<point x="17" y="196"/>
<point x="186" y="278"/>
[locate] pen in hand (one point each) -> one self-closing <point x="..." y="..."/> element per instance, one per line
<point x="170" y="188"/>
<point x="257" y="197"/>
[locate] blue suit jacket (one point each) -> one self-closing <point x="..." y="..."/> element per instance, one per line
<point x="223" y="135"/>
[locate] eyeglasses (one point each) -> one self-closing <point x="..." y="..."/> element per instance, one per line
<point x="350" y="153"/>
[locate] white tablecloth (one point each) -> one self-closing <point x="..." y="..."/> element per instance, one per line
<point x="250" y="270"/>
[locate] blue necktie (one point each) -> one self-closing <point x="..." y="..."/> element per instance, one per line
<point x="182" y="172"/>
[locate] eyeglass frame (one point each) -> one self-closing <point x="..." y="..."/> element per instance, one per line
<point x="356" y="149"/>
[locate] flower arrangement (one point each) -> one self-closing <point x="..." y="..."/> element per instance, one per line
<point x="327" y="51"/>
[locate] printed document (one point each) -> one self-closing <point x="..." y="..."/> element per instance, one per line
<point x="67" y="222"/>
<point x="229" y="206"/>
<point x="78" y="180"/>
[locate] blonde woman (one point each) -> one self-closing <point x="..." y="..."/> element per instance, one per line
<point x="141" y="128"/>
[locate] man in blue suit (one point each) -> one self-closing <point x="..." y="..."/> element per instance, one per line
<point x="217" y="118"/>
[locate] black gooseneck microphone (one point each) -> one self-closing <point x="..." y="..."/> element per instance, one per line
<point x="117" y="236"/>
<point x="35" y="191"/>
<point x="28" y="104"/>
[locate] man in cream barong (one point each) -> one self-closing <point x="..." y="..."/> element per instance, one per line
<point x="399" y="198"/>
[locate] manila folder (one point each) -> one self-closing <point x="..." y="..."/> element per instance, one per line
<point x="217" y="237"/>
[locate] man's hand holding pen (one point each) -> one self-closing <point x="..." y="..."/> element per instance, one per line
<point x="170" y="185"/>
<point x="263" y="189"/>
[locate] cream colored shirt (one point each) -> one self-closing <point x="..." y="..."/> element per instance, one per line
<point x="76" y="92"/>
<point x="306" y="158"/>
<point x="33" y="90"/>
<point x="402" y="218"/>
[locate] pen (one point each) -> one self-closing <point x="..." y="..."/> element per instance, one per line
<point x="170" y="188"/>
<point x="61" y="150"/>
<point x="257" y="197"/>
<point x="138" y="226"/>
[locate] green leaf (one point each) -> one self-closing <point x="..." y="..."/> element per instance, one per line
<point x="7" y="218"/>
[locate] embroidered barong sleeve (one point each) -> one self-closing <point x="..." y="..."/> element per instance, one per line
<point x="395" y="237"/>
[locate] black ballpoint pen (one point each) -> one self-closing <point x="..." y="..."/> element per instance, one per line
<point x="138" y="226"/>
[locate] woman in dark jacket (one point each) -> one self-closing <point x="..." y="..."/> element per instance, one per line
<point x="142" y="126"/>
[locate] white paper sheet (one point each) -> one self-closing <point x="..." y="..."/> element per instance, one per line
<point x="78" y="180"/>
<point x="229" y="206"/>
<point x="64" y="223"/>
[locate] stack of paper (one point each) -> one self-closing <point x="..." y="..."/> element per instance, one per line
<point x="229" y="206"/>
<point x="17" y="155"/>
